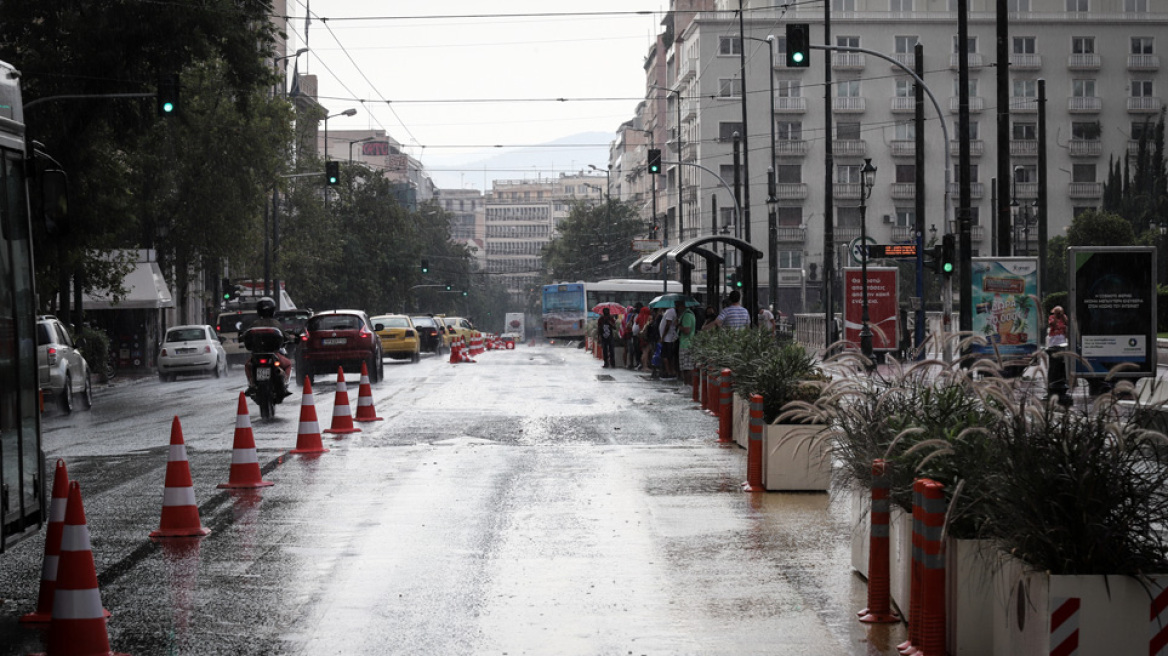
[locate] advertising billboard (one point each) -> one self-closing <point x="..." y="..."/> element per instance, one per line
<point x="1113" y="307"/>
<point x="883" y="307"/>
<point x="1006" y="311"/>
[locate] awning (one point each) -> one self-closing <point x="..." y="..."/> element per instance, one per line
<point x="146" y="290"/>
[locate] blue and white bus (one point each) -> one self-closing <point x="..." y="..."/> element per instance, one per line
<point x="567" y="306"/>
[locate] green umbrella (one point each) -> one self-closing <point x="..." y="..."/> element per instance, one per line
<point x="669" y="300"/>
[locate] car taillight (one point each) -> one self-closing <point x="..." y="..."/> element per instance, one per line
<point x="52" y="355"/>
<point x="364" y="332"/>
<point x="304" y="337"/>
<point x="409" y="333"/>
<point x="163" y="352"/>
<point x="207" y="349"/>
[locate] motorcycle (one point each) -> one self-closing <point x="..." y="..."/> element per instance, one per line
<point x="270" y="387"/>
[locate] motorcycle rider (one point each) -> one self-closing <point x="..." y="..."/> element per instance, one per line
<point x="266" y="309"/>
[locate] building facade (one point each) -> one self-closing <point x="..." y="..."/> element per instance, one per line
<point x="1103" y="81"/>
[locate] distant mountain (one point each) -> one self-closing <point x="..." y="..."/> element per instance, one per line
<point x="570" y="154"/>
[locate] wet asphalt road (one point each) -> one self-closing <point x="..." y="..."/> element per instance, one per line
<point x="531" y="503"/>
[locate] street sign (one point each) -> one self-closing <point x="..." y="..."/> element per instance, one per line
<point x="908" y="251"/>
<point x="857" y="250"/>
<point x="646" y="245"/>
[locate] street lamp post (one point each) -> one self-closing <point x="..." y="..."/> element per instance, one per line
<point x="348" y="112"/>
<point x="357" y="142"/>
<point x="867" y="180"/>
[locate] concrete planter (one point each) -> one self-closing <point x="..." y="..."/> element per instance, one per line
<point x="1045" y="613"/>
<point x="796" y="458"/>
<point x="861" y="526"/>
<point x="970" y="596"/>
<point x="740" y="422"/>
<point x="900" y="556"/>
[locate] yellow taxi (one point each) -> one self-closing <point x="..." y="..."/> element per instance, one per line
<point x="460" y="327"/>
<point x="399" y="337"/>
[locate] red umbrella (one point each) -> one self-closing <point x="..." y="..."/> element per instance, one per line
<point x="613" y="308"/>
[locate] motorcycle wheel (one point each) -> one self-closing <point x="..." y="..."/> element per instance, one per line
<point x="264" y="400"/>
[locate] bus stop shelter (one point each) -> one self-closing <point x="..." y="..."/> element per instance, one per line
<point x="706" y="247"/>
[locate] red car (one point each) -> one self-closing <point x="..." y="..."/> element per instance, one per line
<point x="343" y="338"/>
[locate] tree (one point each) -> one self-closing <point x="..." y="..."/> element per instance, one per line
<point x="595" y="242"/>
<point x="1096" y="228"/>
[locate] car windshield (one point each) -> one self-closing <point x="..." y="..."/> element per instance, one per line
<point x="236" y="322"/>
<point x="334" y="322"/>
<point x="393" y="322"/>
<point x="424" y="322"/>
<point x="186" y="335"/>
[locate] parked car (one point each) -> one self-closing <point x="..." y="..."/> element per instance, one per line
<point x="399" y="337"/>
<point x="191" y="350"/>
<point x="61" y="369"/>
<point x="343" y="338"/>
<point x="431" y="334"/>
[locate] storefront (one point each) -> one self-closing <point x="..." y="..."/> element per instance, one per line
<point x="133" y="322"/>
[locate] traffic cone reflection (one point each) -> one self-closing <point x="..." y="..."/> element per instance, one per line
<point x="44" y="610"/>
<point x="365" y="410"/>
<point x="308" y="434"/>
<point x="245" y="464"/>
<point x="180" y="515"/>
<point x="342" y="415"/>
<point x="78" y="624"/>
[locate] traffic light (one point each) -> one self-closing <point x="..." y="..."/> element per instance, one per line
<point x="228" y="289"/>
<point x="425" y="266"/>
<point x="936" y="262"/>
<point x="734" y="278"/>
<point x="449" y="287"/>
<point x="167" y="94"/>
<point x="655" y="161"/>
<point x="464" y="294"/>
<point x="948" y="255"/>
<point x="798" y="45"/>
<point x="332" y="172"/>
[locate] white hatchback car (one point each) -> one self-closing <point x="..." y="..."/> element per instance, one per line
<point x="191" y="349"/>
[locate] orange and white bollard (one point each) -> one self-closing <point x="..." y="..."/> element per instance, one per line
<point x="916" y="593"/>
<point x="879" y="610"/>
<point x="754" y="454"/>
<point x="933" y="568"/>
<point x="712" y="387"/>
<point x="725" y="408"/>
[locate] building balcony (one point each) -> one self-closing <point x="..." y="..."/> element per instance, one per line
<point x="1143" y="105"/>
<point x="791" y="191"/>
<point x="848" y="104"/>
<point x="976" y="104"/>
<point x="1085" y="190"/>
<point x="904" y="105"/>
<point x="1084" y="105"/>
<point x="849" y="148"/>
<point x="976" y="147"/>
<point x="792" y="234"/>
<point x="907" y="58"/>
<point x="689" y="194"/>
<point x="689" y="68"/>
<point x="1023" y="105"/>
<point x="789" y="105"/>
<point x="1025" y="62"/>
<point x="787" y="148"/>
<point x="976" y="190"/>
<point x="1084" y="62"/>
<point x="903" y="148"/>
<point x="1023" y="148"/>
<point x="903" y="234"/>
<point x="846" y="191"/>
<point x="846" y="233"/>
<point x="689" y="109"/>
<point x="848" y="61"/>
<point x="1026" y="190"/>
<point x="976" y="60"/>
<point x="904" y="190"/>
<point x="1086" y="147"/>
<point x="1144" y="63"/>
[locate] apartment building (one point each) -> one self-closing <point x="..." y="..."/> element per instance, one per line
<point x="1104" y="83"/>
<point x="522" y="217"/>
<point x="379" y="151"/>
<point x="467" y="209"/>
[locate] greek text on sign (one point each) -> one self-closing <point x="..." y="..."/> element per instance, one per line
<point x="892" y="250"/>
<point x="999" y="285"/>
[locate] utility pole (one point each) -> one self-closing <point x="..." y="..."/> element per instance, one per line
<point x="828" y="192"/>
<point x="919" y="208"/>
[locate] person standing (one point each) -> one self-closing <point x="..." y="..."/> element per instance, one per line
<point x="733" y="315"/>
<point x="669" y="343"/>
<point x="644" y="321"/>
<point x="606" y="326"/>
<point x="766" y="320"/>
<point x="686" y="327"/>
<point x="1056" y="327"/>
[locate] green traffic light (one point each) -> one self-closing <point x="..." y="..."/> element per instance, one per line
<point x="947" y="267"/>
<point x="798" y="57"/>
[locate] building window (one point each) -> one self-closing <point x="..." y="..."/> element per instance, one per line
<point x="847" y="173"/>
<point x="1077" y="5"/>
<point x="789" y="217"/>
<point x="729" y="45"/>
<point x="904" y="87"/>
<point x="905" y="218"/>
<point x="974" y="131"/>
<point x="1024" y="131"/>
<point x="1084" y="131"/>
<point x="972" y="87"/>
<point x="1142" y="45"/>
<point x="730" y="87"/>
<point x="973" y="171"/>
<point x="843" y="5"/>
<point x="1135" y="6"/>
<point x="847" y="89"/>
<point x="789" y="174"/>
<point x="1083" y="45"/>
<point x="788" y="89"/>
<point x="906" y="131"/>
<point x="790" y="259"/>
<point x="906" y="173"/>
<point x="900" y="5"/>
<point x="1024" y="45"/>
<point x="848" y="41"/>
<point x="905" y="44"/>
<point x="1083" y="173"/>
<point x="1141" y="89"/>
<point x="1024" y="173"/>
<point x="1142" y="129"/>
<point x="789" y="131"/>
<point x="1083" y="88"/>
<point x="1017" y="5"/>
<point x="847" y="131"/>
<point x="970" y="44"/>
<point x="726" y="130"/>
<point x="1026" y="88"/>
<point x="847" y="217"/>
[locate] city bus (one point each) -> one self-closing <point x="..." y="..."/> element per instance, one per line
<point x="22" y="502"/>
<point x="567" y="306"/>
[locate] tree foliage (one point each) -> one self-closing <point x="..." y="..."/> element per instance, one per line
<point x="1137" y="188"/>
<point x="594" y="242"/>
<point x="1098" y="228"/>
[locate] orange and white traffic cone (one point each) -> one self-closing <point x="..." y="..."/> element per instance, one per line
<point x="342" y="415"/>
<point x="180" y="515"/>
<point x="308" y="435"/>
<point x="245" y="464"/>
<point x="365" y="409"/>
<point x="455" y="352"/>
<point x="44" y="610"/>
<point x="78" y="623"/>
<point x="467" y="352"/>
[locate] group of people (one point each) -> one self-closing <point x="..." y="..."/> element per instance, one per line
<point x="659" y="339"/>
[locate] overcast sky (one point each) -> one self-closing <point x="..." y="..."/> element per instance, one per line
<point x="365" y="52"/>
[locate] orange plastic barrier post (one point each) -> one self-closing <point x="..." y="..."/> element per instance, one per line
<point x="879" y="610"/>
<point x="754" y="447"/>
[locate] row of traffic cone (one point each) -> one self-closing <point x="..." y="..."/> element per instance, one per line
<point x="69" y="600"/>
<point x="460" y="352"/>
